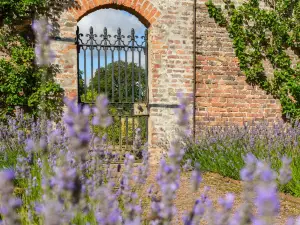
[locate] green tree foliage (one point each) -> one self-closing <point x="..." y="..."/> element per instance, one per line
<point x="17" y="11"/>
<point x="20" y="78"/>
<point x="266" y="33"/>
<point x="125" y="72"/>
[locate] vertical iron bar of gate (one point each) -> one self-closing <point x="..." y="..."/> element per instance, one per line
<point x="99" y="70"/>
<point x="92" y="60"/>
<point x="85" y="86"/>
<point x="120" y="133"/>
<point x="119" y="57"/>
<point x="132" y="66"/>
<point x="146" y="65"/>
<point x="133" y="131"/>
<point x="112" y="76"/>
<point x="126" y="135"/>
<point x="105" y="57"/>
<point x="146" y="80"/>
<point x="126" y="77"/>
<point x="78" y="68"/>
<point x="140" y="80"/>
<point x="113" y="131"/>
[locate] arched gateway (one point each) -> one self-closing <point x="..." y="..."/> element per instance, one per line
<point x="157" y="99"/>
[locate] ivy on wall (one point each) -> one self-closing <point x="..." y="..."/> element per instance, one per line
<point x="266" y="33"/>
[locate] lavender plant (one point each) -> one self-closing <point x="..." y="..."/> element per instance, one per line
<point x="68" y="178"/>
<point x="221" y="150"/>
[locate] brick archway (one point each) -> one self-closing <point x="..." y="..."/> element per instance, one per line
<point x="150" y="15"/>
<point x="144" y="10"/>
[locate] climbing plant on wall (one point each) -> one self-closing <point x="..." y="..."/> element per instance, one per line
<point x="265" y="30"/>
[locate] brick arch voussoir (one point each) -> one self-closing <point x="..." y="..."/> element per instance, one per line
<point x="144" y="10"/>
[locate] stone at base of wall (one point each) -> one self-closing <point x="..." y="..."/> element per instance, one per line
<point x="155" y="155"/>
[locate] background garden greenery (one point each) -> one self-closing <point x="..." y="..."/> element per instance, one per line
<point x="266" y="33"/>
<point x="20" y="79"/>
<point x="103" y="80"/>
<point x="118" y="111"/>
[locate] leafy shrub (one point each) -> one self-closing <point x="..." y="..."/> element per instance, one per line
<point x="22" y="82"/>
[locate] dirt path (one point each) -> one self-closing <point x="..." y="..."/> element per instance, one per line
<point x="219" y="186"/>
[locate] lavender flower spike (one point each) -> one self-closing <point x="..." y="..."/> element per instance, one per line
<point x="182" y="112"/>
<point x="78" y="126"/>
<point x="8" y="204"/>
<point x="285" y="171"/>
<point x="102" y="117"/>
<point x="43" y="52"/>
<point x="196" y="177"/>
<point x="267" y="200"/>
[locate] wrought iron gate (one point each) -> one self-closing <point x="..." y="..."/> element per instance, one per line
<point x="118" y="67"/>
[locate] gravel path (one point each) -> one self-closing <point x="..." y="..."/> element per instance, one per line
<point x="219" y="186"/>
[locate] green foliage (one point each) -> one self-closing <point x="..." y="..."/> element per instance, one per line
<point x="21" y="82"/>
<point x="20" y="79"/>
<point x="118" y="69"/>
<point x="265" y="34"/>
<point x="18" y="10"/>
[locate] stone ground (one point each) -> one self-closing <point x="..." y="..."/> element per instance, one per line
<point x="290" y="206"/>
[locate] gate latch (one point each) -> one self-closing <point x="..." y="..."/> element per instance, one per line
<point x="140" y="109"/>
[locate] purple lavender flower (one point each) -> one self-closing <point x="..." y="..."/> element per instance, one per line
<point x="29" y="145"/>
<point x="227" y="202"/>
<point x="108" y="212"/>
<point x="54" y="213"/>
<point x="137" y="143"/>
<point x="176" y="152"/>
<point x="267" y="200"/>
<point x="143" y="170"/>
<point x="194" y="217"/>
<point x="102" y="117"/>
<point x="182" y="112"/>
<point x="8" y="203"/>
<point x="285" y="171"/>
<point x="64" y="178"/>
<point x="247" y="173"/>
<point x="43" y="53"/>
<point x="196" y="178"/>
<point x="78" y="127"/>
<point x="168" y="180"/>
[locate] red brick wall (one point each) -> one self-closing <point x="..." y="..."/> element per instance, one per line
<point x="223" y="96"/>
